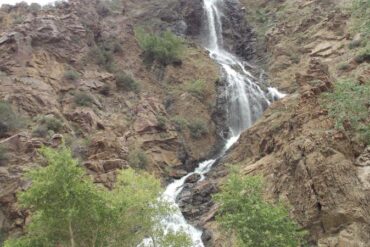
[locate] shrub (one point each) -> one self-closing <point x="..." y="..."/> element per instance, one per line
<point x="348" y="105"/>
<point x="363" y="55"/>
<point x="161" y="122"/>
<point x="35" y="7"/>
<point x="126" y="82"/>
<point x="83" y="99"/>
<point x="9" y="120"/>
<point x="196" y="88"/>
<point x="71" y="75"/>
<point x="103" y="9"/>
<point x="197" y="128"/>
<point x="105" y="90"/>
<point x="106" y="7"/>
<point x="138" y="159"/>
<point x="165" y="48"/>
<point x="360" y="16"/>
<point x="343" y="66"/>
<point x="3" y="155"/>
<point x="40" y="131"/>
<point x="112" y="45"/>
<point x="179" y="122"/>
<point x="354" y="44"/>
<point x="254" y="222"/>
<point x="46" y="124"/>
<point x="103" y="58"/>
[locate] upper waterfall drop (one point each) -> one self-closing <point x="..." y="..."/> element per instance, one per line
<point x="246" y="100"/>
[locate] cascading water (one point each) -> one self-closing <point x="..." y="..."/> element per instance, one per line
<point x="246" y="102"/>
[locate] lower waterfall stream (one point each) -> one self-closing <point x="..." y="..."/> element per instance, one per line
<point x="246" y="101"/>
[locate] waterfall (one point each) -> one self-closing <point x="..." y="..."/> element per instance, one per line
<point x="245" y="103"/>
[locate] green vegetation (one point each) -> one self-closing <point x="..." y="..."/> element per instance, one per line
<point x="197" y="128"/>
<point x="71" y="75"/>
<point x="162" y="120"/>
<point x="137" y="159"/>
<point x="179" y="122"/>
<point x="9" y="120"/>
<point x="363" y="54"/>
<point x="361" y="24"/>
<point x="102" y="54"/>
<point x="343" y="66"/>
<point x="105" y="90"/>
<point x="106" y="7"/>
<point x="348" y="105"/>
<point x="254" y="222"/>
<point x="360" y="16"/>
<point x="46" y="124"/>
<point x="69" y="210"/>
<point x="3" y="155"/>
<point x="35" y="7"/>
<point x="83" y="99"/>
<point x="196" y="88"/>
<point x="125" y="82"/>
<point x="165" y="48"/>
<point x="103" y="58"/>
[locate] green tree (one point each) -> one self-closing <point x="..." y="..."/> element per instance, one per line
<point x="254" y="222"/>
<point x="69" y="210"/>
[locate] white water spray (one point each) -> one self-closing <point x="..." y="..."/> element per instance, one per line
<point x="246" y="102"/>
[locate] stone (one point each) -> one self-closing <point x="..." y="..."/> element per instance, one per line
<point x="193" y="178"/>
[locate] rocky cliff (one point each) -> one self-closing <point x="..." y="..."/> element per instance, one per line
<point x="320" y="171"/>
<point x="58" y="72"/>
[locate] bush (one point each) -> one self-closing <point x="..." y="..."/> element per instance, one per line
<point x="9" y="120"/>
<point x="197" y="128"/>
<point x="40" y="131"/>
<point x="162" y="122"/>
<point x="46" y="124"/>
<point x="105" y="90"/>
<point x="3" y="155"/>
<point x="254" y="222"/>
<point x="67" y="207"/>
<point x="360" y="16"/>
<point x="165" y="48"/>
<point x="126" y="82"/>
<point x="343" y="66"/>
<point x="363" y="55"/>
<point x="83" y="99"/>
<point x="106" y="7"/>
<point x="103" y="58"/>
<point x="179" y="122"/>
<point x="196" y="88"/>
<point x="35" y="7"/>
<point x="348" y="105"/>
<point x="112" y="45"/>
<point x="138" y="159"/>
<point x="71" y="75"/>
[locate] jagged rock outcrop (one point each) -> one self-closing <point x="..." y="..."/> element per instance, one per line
<point x="36" y="54"/>
<point x="305" y="162"/>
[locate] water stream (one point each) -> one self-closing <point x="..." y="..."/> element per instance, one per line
<point x="246" y="101"/>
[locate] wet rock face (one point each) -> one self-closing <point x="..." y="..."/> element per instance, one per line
<point x="238" y="36"/>
<point x="192" y="12"/>
<point x="195" y="200"/>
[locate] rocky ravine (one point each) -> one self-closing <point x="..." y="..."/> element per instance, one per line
<point x="38" y="48"/>
<point x="321" y="172"/>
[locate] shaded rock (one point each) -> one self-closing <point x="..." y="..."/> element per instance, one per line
<point x="176" y="174"/>
<point x="193" y="178"/>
